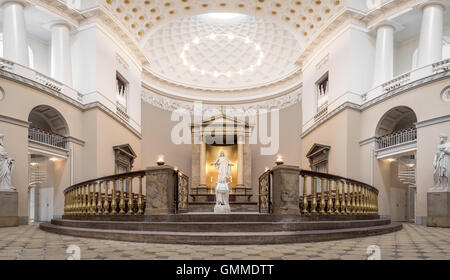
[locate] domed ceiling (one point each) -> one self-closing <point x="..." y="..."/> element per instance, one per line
<point x="222" y="51"/>
<point x="223" y="45"/>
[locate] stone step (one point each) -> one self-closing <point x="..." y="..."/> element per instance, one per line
<point x="222" y="238"/>
<point x="233" y="217"/>
<point x="220" y="226"/>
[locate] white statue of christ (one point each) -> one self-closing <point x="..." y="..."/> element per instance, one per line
<point x="223" y="165"/>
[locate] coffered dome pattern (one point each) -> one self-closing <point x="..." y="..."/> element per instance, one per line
<point x="303" y="17"/>
<point x="198" y="52"/>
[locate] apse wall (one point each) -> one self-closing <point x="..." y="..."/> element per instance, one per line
<point x="156" y="135"/>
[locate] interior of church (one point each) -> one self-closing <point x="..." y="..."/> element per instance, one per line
<point x="276" y="122"/>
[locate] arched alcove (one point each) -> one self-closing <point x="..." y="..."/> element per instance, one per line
<point x="396" y="119"/>
<point x="49" y="119"/>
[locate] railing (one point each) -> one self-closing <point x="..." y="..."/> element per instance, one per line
<point x="326" y="194"/>
<point x="397" y="82"/>
<point x="427" y="72"/>
<point x="397" y="138"/>
<point x="441" y="66"/>
<point x="118" y="195"/>
<point x="321" y="112"/>
<point x="42" y="136"/>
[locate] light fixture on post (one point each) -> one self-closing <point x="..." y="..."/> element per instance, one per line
<point x="160" y="161"/>
<point x="279" y="160"/>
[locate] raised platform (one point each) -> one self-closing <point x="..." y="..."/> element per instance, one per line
<point x="232" y="229"/>
<point x="236" y="207"/>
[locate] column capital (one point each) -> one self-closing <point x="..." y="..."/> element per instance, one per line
<point x="426" y="3"/>
<point x="55" y="23"/>
<point x="20" y="2"/>
<point x="386" y="23"/>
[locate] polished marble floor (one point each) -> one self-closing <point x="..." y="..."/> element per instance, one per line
<point x="413" y="242"/>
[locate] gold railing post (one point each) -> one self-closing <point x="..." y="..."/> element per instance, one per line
<point x="366" y="203"/>
<point x="88" y="209"/>
<point x="130" y="198"/>
<point x="99" y="199"/>
<point x="358" y="200"/>
<point x="322" y="196"/>
<point x="305" y="195"/>
<point x="344" y="204"/>
<point x="77" y="202"/>
<point x="337" y="203"/>
<point x="122" y="200"/>
<point x="113" y="201"/>
<point x="350" y="202"/>
<point x="85" y="200"/>
<point x="314" y="196"/>
<point x="140" y="208"/>
<point x="330" y="197"/>
<point x="106" y="202"/>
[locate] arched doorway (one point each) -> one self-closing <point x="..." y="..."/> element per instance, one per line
<point x="48" y="149"/>
<point x="396" y="135"/>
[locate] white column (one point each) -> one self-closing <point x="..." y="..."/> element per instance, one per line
<point x="430" y="42"/>
<point x="61" y="59"/>
<point x="15" y="46"/>
<point x="203" y="163"/>
<point x="240" y="163"/>
<point x="384" y="57"/>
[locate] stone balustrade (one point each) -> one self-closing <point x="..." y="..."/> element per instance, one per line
<point x="156" y="190"/>
<point x="289" y="190"/>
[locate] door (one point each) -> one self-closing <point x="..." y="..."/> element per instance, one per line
<point x="45" y="204"/>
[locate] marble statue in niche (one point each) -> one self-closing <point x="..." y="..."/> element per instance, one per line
<point x="6" y="168"/>
<point x="441" y="165"/>
<point x="223" y="165"/>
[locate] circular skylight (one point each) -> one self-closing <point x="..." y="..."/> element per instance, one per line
<point x="222" y="51"/>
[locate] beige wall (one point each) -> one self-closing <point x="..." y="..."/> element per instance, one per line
<point x="95" y="159"/>
<point x="341" y="133"/>
<point x="156" y="132"/>
<point x="290" y="148"/>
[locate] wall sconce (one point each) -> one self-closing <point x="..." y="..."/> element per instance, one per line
<point x="160" y="161"/>
<point x="54" y="159"/>
<point x="279" y="160"/>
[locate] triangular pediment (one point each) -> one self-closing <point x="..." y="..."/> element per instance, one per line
<point x="126" y="149"/>
<point x="317" y="149"/>
<point x="224" y="120"/>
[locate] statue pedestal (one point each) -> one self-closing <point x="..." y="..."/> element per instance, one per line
<point x="9" y="209"/>
<point x="438" y="208"/>
<point x="222" y="199"/>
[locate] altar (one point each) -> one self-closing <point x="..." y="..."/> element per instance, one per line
<point x="230" y="136"/>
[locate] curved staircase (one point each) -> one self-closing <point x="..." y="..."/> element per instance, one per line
<point x="211" y="229"/>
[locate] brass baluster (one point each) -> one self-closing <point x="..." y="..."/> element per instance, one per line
<point x="344" y="204"/>
<point x="85" y="209"/>
<point x="99" y="198"/>
<point x="113" y="201"/>
<point x="80" y="200"/>
<point x="75" y="208"/>
<point x="337" y="203"/>
<point x="366" y="204"/>
<point x="305" y="195"/>
<point x="130" y="198"/>
<point x="322" y="196"/>
<point x="354" y="208"/>
<point x="122" y="199"/>
<point x="350" y="202"/>
<point x="330" y="197"/>
<point x="359" y="199"/>
<point x="314" y="195"/>
<point x="140" y="206"/>
<point x="93" y="202"/>
<point x="106" y="202"/>
<point x="88" y="209"/>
